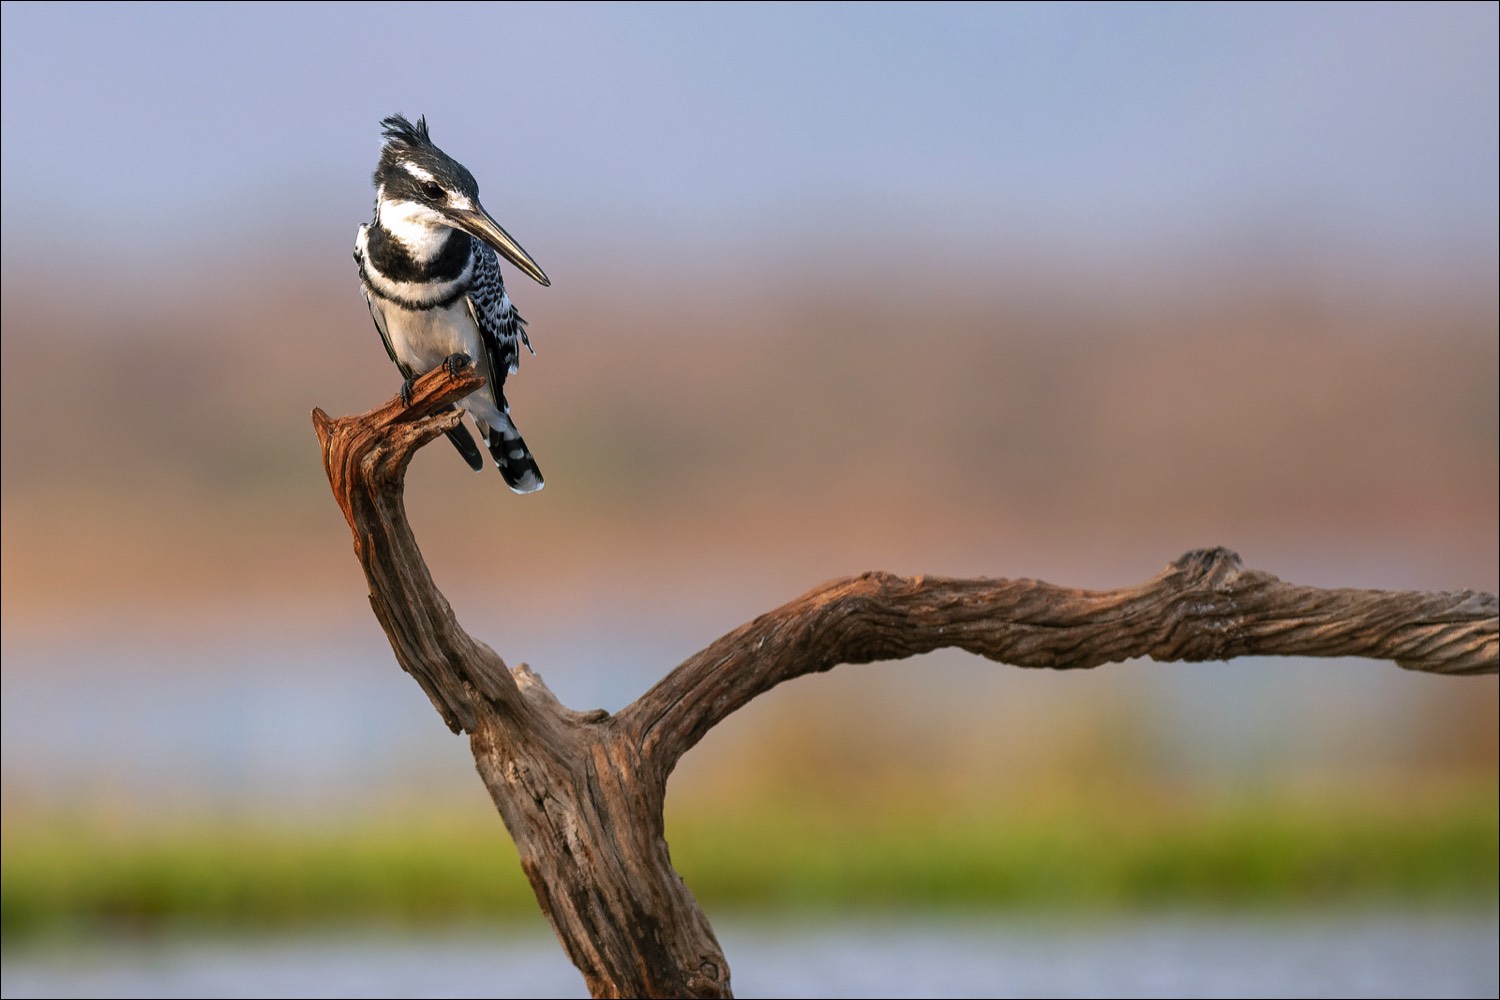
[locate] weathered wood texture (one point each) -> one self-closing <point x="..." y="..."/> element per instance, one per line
<point x="582" y="792"/>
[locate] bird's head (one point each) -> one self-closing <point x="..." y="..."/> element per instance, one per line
<point x="418" y="186"/>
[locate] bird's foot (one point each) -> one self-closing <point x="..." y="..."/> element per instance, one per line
<point x="453" y="364"/>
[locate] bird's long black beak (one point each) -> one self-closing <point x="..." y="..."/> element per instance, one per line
<point x="478" y="224"/>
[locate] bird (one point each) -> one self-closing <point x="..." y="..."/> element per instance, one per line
<point x="429" y="267"/>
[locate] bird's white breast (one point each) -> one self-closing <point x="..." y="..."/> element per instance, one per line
<point x="422" y="338"/>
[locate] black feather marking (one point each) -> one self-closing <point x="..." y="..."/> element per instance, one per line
<point x="398" y="128"/>
<point x="464" y="442"/>
<point x="391" y="258"/>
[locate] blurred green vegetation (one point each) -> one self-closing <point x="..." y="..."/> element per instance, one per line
<point x="1108" y="852"/>
<point x="73" y="875"/>
<point x="77" y="875"/>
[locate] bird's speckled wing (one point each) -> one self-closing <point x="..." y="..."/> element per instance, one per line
<point x="501" y="328"/>
<point x="502" y="331"/>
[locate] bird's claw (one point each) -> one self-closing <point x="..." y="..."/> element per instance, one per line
<point x="453" y="364"/>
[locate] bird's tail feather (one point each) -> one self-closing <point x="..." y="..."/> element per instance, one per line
<point x="512" y="457"/>
<point x="464" y="442"/>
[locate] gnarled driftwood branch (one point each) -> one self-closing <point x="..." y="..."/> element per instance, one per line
<point x="582" y="792"/>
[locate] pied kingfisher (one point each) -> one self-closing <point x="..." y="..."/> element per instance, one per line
<point x="429" y="271"/>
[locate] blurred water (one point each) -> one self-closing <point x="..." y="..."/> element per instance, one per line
<point x="308" y="725"/>
<point x="1188" y="955"/>
<point x="230" y="719"/>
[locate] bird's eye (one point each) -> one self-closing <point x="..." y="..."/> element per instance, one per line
<point x="433" y="191"/>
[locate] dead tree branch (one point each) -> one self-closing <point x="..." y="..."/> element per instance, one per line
<point x="582" y="792"/>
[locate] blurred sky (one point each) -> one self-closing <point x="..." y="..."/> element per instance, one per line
<point x="1076" y="127"/>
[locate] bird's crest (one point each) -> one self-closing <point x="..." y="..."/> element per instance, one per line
<point x="398" y="128"/>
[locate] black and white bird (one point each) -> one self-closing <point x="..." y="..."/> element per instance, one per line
<point x="429" y="271"/>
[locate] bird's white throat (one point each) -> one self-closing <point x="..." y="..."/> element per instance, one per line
<point x="420" y="229"/>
